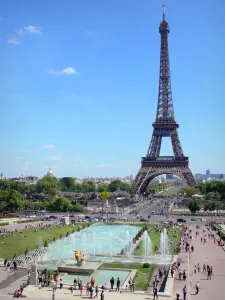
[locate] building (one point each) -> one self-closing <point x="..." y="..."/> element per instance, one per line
<point x="208" y="176"/>
<point x="25" y="179"/>
<point x="50" y="173"/>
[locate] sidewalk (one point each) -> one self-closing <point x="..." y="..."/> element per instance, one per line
<point x="210" y="254"/>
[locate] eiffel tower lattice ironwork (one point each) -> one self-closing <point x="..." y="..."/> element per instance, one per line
<point x="165" y="125"/>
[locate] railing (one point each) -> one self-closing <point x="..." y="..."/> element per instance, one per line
<point x="23" y="261"/>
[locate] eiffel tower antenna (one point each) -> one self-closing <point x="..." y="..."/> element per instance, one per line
<point x="165" y="125"/>
<point x="164" y="12"/>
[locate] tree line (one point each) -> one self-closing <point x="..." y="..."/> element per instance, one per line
<point x="213" y="196"/>
<point x="14" y="196"/>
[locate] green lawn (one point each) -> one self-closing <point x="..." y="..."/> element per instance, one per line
<point x="155" y="238"/>
<point x="28" y="239"/>
<point x="143" y="275"/>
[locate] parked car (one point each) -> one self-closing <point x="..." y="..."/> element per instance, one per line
<point x="143" y="220"/>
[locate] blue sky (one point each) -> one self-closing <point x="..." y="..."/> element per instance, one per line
<point x="79" y="82"/>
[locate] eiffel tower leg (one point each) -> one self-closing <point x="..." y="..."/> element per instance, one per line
<point x="146" y="174"/>
<point x="177" y="149"/>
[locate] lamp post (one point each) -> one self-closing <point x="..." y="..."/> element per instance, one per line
<point x="53" y="285"/>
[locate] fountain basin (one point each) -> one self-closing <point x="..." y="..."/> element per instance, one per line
<point x="72" y="267"/>
<point x="101" y="276"/>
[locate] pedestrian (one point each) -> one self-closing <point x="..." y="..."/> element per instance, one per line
<point x="118" y="284"/>
<point x="96" y="292"/>
<point x="209" y="274"/>
<point x="81" y="289"/>
<point x="75" y="284"/>
<point x="184" y="275"/>
<point x="184" y="292"/>
<point x="91" y="291"/>
<point x="102" y="297"/>
<point x="180" y="274"/>
<point x="204" y="268"/>
<point x="198" y="267"/>
<point x="71" y="289"/>
<point x="197" y="287"/>
<point x="211" y="270"/>
<point x="195" y="269"/>
<point x="112" y="283"/>
<point x="172" y="272"/>
<point x="155" y="293"/>
<point x="60" y="284"/>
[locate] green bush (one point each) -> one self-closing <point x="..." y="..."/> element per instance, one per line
<point x="46" y="244"/>
<point x="146" y="265"/>
<point x="28" y="221"/>
<point x="67" y="234"/>
<point x="4" y="224"/>
<point x="26" y="252"/>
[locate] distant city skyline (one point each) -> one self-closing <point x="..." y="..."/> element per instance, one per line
<point x="79" y="85"/>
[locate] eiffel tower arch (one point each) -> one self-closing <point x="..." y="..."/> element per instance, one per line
<point x="165" y="125"/>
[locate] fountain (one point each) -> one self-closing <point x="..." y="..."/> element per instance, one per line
<point x="147" y="245"/>
<point x="164" y="247"/>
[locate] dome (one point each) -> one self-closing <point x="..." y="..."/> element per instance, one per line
<point x="50" y="173"/>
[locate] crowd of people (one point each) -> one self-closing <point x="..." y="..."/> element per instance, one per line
<point x="91" y="289"/>
<point x="186" y="241"/>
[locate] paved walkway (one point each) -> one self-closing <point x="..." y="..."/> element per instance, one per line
<point x="46" y="293"/>
<point x="11" y="280"/>
<point x="209" y="254"/>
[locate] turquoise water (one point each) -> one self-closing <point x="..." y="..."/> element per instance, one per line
<point x="101" y="277"/>
<point x="98" y="239"/>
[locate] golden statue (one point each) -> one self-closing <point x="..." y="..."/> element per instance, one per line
<point x="81" y="260"/>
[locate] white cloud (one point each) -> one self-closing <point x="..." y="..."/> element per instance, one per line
<point x="21" y="32"/>
<point x="48" y="146"/>
<point x="57" y="157"/>
<point x="32" y="29"/>
<point x="104" y="166"/>
<point x="14" y="40"/>
<point x="65" y="71"/>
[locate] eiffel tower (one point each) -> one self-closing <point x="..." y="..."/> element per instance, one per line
<point x="165" y="125"/>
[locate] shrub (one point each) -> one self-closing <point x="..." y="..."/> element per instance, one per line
<point x="67" y="234"/>
<point x="53" y="239"/>
<point x="26" y="251"/>
<point x="146" y="265"/>
<point x="46" y="244"/>
<point x="4" y="224"/>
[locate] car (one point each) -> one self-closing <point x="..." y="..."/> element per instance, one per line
<point x="181" y="220"/>
<point x="52" y="217"/>
<point x="143" y="220"/>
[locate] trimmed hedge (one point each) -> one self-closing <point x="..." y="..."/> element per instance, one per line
<point x="4" y="224"/>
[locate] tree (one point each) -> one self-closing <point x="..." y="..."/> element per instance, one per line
<point x="47" y="185"/>
<point x="102" y="188"/>
<point x="67" y="184"/>
<point x="194" y="206"/>
<point x="77" y="207"/>
<point x="60" y="204"/>
<point x="103" y="196"/>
